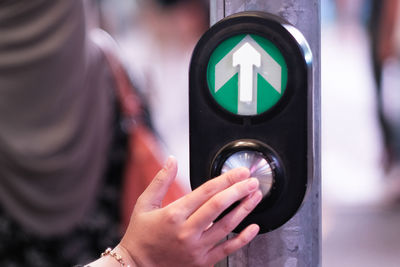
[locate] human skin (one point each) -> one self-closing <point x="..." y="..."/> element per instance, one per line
<point x="183" y="233"/>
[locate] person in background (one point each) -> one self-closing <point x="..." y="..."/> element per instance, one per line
<point x="61" y="153"/>
<point x="384" y="32"/>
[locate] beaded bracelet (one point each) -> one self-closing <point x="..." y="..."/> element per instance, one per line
<point x="113" y="254"/>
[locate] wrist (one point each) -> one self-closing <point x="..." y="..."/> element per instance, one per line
<point x="125" y="256"/>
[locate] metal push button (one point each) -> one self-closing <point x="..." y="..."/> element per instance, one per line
<point x="258" y="165"/>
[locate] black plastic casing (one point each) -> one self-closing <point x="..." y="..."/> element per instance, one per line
<point x="281" y="133"/>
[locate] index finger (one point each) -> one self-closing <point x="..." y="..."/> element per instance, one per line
<point x="192" y="201"/>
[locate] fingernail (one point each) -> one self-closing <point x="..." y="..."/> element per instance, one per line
<point x="168" y="163"/>
<point x="252" y="184"/>
<point x="254" y="229"/>
<point x="257" y="196"/>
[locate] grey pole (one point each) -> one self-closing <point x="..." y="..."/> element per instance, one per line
<point x="298" y="242"/>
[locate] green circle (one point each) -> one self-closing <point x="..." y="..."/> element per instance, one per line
<point x="227" y="95"/>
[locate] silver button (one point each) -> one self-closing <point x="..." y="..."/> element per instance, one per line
<point x="258" y="165"/>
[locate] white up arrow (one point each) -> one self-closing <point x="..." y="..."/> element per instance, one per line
<point x="246" y="56"/>
<point x="270" y="70"/>
<point x="249" y="59"/>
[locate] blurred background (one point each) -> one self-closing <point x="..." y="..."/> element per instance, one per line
<point x="360" y="109"/>
<point x="360" y="132"/>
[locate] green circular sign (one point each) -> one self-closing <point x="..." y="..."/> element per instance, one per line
<point x="247" y="74"/>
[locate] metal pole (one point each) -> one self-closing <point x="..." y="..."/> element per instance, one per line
<point x="298" y="242"/>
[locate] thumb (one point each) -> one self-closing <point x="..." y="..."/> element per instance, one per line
<point x="154" y="194"/>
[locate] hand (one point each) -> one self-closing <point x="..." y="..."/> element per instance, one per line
<point x="183" y="233"/>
